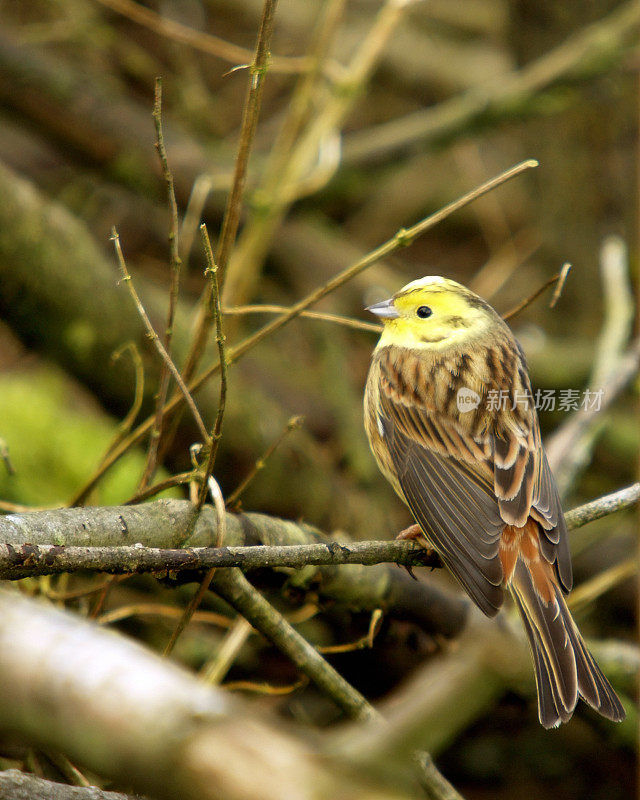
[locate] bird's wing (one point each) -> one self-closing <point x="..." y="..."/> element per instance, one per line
<point x="453" y="502"/>
<point x="525" y="486"/>
<point x="463" y="490"/>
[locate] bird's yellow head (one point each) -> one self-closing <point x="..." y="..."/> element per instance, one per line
<point x="432" y="313"/>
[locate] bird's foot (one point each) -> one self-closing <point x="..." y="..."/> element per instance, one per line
<point x="413" y="533"/>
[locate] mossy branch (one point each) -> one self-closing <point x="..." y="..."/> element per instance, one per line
<point x="144" y="538"/>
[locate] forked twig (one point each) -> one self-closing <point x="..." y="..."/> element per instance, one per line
<point x="294" y="422"/>
<point x="557" y="280"/>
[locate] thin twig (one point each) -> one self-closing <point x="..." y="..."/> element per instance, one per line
<point x="126" y="277"/>
<point x="217" y="667"/>
<point x="101" y="599"/>
<point x="161" y="610"/>
<point x="249" y="124"/>
<point x="231" y="219"/>
<point x="138" y="395"/>
<point x="557" y="292"/>
<point x="347" y="322"/>
<point x="292" y="425"/>
<point x="175" y="264"/>
<point x="603" y="506"/>
<point x="436" y="786"/>
<point x="216" y="433"/>
<point x="558" y="280"/>
<point x="265" y="688"/>
<point x="168" y="483"/>
<point x="198" y="40"/>
<point x="75" y="594"/>
<point x="403" y="238"/>
<point x="363" y="643"/>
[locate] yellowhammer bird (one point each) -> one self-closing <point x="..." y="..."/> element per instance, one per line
<point x="451" y="421"/>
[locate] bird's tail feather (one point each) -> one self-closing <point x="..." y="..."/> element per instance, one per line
<point x="564" y="667"/>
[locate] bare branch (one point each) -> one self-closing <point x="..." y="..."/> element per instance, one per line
<point x="175" y="264"/>
<point x="231" y="219"/>
<point x="26" y="547"/>
<point x="238" y="592"/>
<point x="20" y="561"/>
<point x="603" y="506"/>
<point x="129" y="535"/>
<point x="216" y="433"/>
<point x="165" y="523"/>
<point x="347" y="322"/>
<point x="292" y="425"/>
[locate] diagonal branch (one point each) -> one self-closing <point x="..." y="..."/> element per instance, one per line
<point x="204" y="42"/>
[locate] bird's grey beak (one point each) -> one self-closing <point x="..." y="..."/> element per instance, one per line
<point x="384" y="310"/>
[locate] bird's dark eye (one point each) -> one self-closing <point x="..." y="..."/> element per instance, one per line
<point x="423" y="312"/>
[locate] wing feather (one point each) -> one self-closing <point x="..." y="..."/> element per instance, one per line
<point x="455" y="507"/>
<point x="463" y="489"/>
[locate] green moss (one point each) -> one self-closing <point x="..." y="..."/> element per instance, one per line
<point x="56" y="438"/>
<point x="81" y="337"/>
